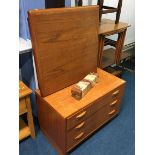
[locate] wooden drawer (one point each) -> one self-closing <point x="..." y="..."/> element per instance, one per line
<point x="89" y="110"/>
<point x="22" y="106"/>
<point x="114" y="104"/>
<point x="86" y="127"/>
<point x="86" y="112"/>
<point x="117" y="93"/>
<point x="113" y="107"/>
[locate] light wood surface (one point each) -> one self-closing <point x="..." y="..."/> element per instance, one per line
<point x="62" y="48"/>
<point x="23" y="90"/>
<point x="108" y="27"/>
<point x="22" y="106"/>
<point x="67" y="105"/>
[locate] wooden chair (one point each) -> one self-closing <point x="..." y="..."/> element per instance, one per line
<point x="105" y="9"/>
<point x="108" y="9"/>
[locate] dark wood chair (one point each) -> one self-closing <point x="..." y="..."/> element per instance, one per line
<point x="105" y="9"/>
<point x="78" y="2"/>
<point x="108" y="9"/>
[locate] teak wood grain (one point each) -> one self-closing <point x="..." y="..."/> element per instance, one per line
<point x="64" y="42"/>
<point x="66" y="121"/>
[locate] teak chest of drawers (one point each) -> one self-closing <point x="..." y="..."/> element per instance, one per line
<point x="66" y="121"/>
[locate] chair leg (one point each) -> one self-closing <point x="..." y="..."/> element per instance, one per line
<point x="100" y="3"/>
<point x="118" y="11"/>
<point x="30" y="118"/>
<point x="119" y="46"/>
<point x="100" y="51"/>
<point x="80" y="2"/>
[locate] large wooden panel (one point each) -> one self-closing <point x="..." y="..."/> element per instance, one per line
<point x="65" y="45"/>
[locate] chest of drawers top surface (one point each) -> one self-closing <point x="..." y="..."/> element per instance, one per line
<point x="66" y="105"/>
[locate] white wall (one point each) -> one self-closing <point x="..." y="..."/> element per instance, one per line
<point x="127" y="15"/>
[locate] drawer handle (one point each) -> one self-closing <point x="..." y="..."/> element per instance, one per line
<point x="79" y="136"/>
<point x="112" y="112"/>
<point x="81" y="115"/>
<point x="80" y="125"/>
<point x="113" y="103"/>
<point x="115" y="93"/>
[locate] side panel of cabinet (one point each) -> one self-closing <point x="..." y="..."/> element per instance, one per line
<point x="51" y="124"/>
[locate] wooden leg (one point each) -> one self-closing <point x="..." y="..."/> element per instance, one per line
<point x="118" y="12"/>
<point x="100" y="3"/>
<point x="80" y="2"/>
<point x="100" y="51"/>
<point x="119" y="46"/>
<point x="30" y="117"/>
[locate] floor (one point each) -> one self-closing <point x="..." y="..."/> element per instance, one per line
<point x="116" y="138"/>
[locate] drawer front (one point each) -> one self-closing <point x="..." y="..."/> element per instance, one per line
<point x="117" y="93"/>
<point x="92" y="108"/>
<point x="86" y="127"/>
<point x="114" y="104"/>
<point x="86" y="112"/>
<point x="22" y="106"/>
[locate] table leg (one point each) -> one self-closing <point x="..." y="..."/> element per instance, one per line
<point x="100" y="51"/>
<point x="119" y="46"/>
<point x="30" y="117"/>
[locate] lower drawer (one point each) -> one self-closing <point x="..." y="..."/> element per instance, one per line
<point x="88" y="126"/>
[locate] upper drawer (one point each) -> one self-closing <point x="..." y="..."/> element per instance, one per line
<point x="93" y="107"/>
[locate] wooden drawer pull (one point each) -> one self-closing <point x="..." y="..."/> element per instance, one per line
<point x="79" y="136"/>
<point x="80" y="125"/>
<point x="112" y="112"/>
<point x="115" y="93"/>
<point x="81" y="115"/>
<point x="113" y="103"/>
